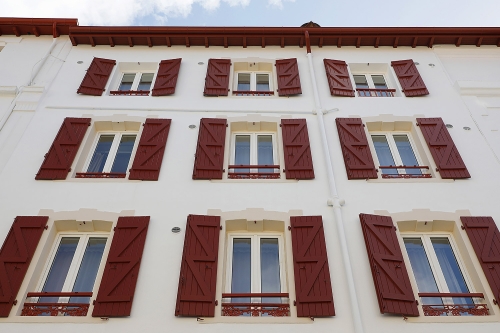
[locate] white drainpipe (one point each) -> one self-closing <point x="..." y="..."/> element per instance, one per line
<point x="21" y="88"/>
<point x="337" y="213"/>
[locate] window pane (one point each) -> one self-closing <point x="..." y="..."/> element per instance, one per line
<point x="242" y="152"/>
<point x="361" y="83"/>
<point x="265" y="151"/>
<point x="422" y="270"/>
<point x="60" y="267"/>
<point x="379" y="83"/>
<point x="145" y="83"/>
<point x="241" y="275"/>
<point x="88" y="268"/>
<point x="384" y="153"/>
<point x="243" y="81"/>
<point x="262" y="82"/>
<point x="270" y="269"/>
<point x="406" y="153"/>
<point x="451" y="271"/>
<point x="127" y="81"/>
<point x="123" y="154"/>
<point x="101" y="153"/>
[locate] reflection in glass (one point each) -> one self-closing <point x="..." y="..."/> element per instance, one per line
<point x="145" y="82"/>
<point x="127" y="81"/>
<point x="265" y="151"/>
<point x="379" y="83"/>
<point x="242" y="152"/>
<point x="60" y="267"/>
<point x="406" y="153"/>
<point x="88" y="268"/>
<point x="243" y="82"/>
<point x="270" y="269"/>
<point x="262" y="82"/>
<point x="123" y="154"/>
<point x="361" y="83"/>
<point x="241" y="275"/>
<point x="101" y="153"/>
<point x="384" y="153"/>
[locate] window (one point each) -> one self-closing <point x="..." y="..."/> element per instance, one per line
<point x="254" y="149"/>
<point x="134" y="84"/>
<point x="111" y="155"/>
<point x="253" y="79"/>
<point x="396" y="156"/>
<point x="372" y="85"/>
<point x="255" y="267"/>
<point x="438" y="269"/>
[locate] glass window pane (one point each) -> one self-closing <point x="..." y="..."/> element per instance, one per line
<point x="262" y="82"/>
<point x="384" y="154"/>
<point x="422" y="270"/>
<point x="451" y="271"/>
<point x="265" y="151"/>
<point x="360" y="81"/>
<point x="406" y="153"/>
<point x="270" y="269"/>
<point x="88" y="268"/>
<point x="242" y="152"/>
<point x="379" y="83"/>
<point x="241" y="274"/>
<point x="145" y="82"/>
<point x="243" y="81"/>
<point x="127" y="81"/>
<point x="123" y="154"/>
<point x="60" y="267"/>
<point x="101" y="153"/>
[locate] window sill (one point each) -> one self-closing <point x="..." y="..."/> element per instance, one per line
<point x="255" y="320"/>
<point x="99" y="180"/>
<point x="410" y="180"/>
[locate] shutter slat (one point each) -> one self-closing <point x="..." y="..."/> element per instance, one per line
<point x="338" y="78"/>
<point x="297" y="149"/>
<point x="198" y="274"/>
<point x="149" y="155"/>
<point x="58" y="160"/>
<point x="390" y="276"/>
<point x="485" y="239"/>
<point x="217" y="79"/>
<point x="313" y="286"/>
<point x="287" y="72"/>
<point x="409" y="78"/>
<point x="119" y="279"/>
<point x="166" y="79"/>
<point x="94" y="81"/>
<point x="355" y="149"/>
<point x="443" y="149"/>
<point x="15" y="257"/>
<point x="209" y="158"/>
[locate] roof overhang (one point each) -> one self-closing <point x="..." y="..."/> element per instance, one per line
<point x="34" y="26"/>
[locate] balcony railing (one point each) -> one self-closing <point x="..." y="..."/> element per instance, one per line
<point x="55" y="308"/>
<point x="257" y="306"/>
<point x="444" y="309"/>
<point x="362" y="92"/>
<point x="129" y="92"/>
<point x="253" y="93"/>
<point x="100" y="175"/>
<point x="248" y="172"/>
<point x="405" y="175"/>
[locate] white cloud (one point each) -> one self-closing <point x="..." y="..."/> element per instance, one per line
<point x="278" y="3"/>
<point x="113" y="12"/>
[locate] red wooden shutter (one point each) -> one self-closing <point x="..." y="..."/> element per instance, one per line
<point x="209" y="158"/>
<point x="15" y="257"/>
<point x="198" y="275"/>
<point x="58" y="160"/>
<point x="485" y="239"/>
<point x="338" y="78"/>
<point x="287" y="72"/>
<point x="149" y="155"/>
<point x="119" y="279"/>
<point x="166" y="79"/>
<point x="313" y="286"/>
<point x="409" y="78"/>
<point x="297" y="149"/>
<point x="217" y="79"/>
<point x="94" y="81"/>
<point x="357" y="155"/>
<point x="389" y="272"/>
<point x="443" y="150"/>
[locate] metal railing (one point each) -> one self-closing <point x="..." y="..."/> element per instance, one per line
<point x="444" y="309"/>
<point x="100" y="175"/>
<point x="263" y="172"/>
<point x="129" y="92"/>
<point x="405" y="175"/>
<point x="365" y="92"/>
<point x="56" y="308"/>
<point x="253" y="93"/>
<point x="276" y="308"/>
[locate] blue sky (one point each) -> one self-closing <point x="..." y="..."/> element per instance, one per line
<point x="339" y="13"/>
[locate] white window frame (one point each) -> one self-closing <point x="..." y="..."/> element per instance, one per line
<point x="255" y="261"/>
<point x="394" y="149"/>
<point x="113" y="149"/>
<point x="253" y="79"/>
<point x="434" y="262"/>
<point x="137" y="79"/>
<point x="75" y="263"/>
<point x="253" y="148"/>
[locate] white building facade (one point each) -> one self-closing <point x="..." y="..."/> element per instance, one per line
<point x="222" y="179"/>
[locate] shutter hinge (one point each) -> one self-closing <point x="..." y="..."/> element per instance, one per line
<point x="46" y="227"/>
<point x="93" y="302"/>
<point x="294" y="303"/>
<point x="15" y="302"/>
<point x="396" y="229"/>
<point x="223" y="170"/>
<point x="289" y="227"/>
<point x="495" y="302"/>
<point x="90" y="124"/>
<point x="312" y="318"/>
<point x="220" y="227"/>
<point x="416" y="301"/>
<point x="114" y="229"/>
<point x="280" y="125"/>
<point x="463" y="227"/>
<point x="69" y="170"/>
<point x="227" y="125"/>
<point x="364" y="125"/>
<point x="216" y="302"/>
<point x="418" y="124"/>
